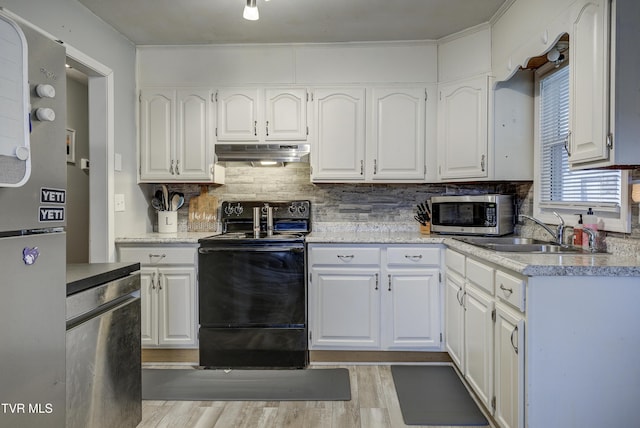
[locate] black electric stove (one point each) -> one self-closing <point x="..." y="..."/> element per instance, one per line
<point x="252" y="287"/>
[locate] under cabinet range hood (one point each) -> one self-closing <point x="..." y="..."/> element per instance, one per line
<point x="263" y="152"/>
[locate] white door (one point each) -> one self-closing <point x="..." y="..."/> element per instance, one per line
<point x="462" y="129"/>
<point x="411" y="312"/>
<point x="589" y="95"/>
<point x="237" y="115"/>
<point x="148" y="306"/>
<point x="339" y="131"/>
<point x="176" y="306"/>
<point x="454" y="319"/>
<point x="157" y="122"/>
<point x="346" y="308"/>
<point x="398" y="134"/>
<point x="509" y="368"/>
<point x="478" y="346"/>
<point x="285" y="114"/>
<point x="194" y="142"/>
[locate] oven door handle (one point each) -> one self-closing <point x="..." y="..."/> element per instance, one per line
<point x="267" y="249"/>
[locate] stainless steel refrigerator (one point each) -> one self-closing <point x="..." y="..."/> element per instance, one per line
<point x="32" y="221"/>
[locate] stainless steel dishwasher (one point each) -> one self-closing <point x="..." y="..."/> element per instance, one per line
<point x="104" y="355"/>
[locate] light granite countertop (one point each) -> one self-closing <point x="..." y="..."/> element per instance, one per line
<point x="164" y="238"/>
<point x="627" y="264"/>
<point x="526" y="264"/>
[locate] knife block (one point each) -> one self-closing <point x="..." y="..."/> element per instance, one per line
<point x="425" y="230"/>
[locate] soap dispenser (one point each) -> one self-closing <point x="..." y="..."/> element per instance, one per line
<point x="577" y="232"/>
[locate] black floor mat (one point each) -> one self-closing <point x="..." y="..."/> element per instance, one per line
<point x="246" y="385"/>
<point x="435" y="395"/>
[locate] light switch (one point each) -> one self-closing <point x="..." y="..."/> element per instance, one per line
<point x="119" y="202"/>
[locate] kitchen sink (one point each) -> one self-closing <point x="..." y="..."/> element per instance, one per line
<point x="516" y="244"/>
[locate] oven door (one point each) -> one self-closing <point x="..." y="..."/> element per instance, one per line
<point x="252" y="286"/>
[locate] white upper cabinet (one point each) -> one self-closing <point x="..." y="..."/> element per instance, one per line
<point x="237" y="114"/>
<point x="398" y="134"/>
<point x="261" y="115"/>
<point x="379" y="140"/>
<point x="462" y="129"/>
<point x="176" y="143"/>
<point x="339" y="132"/>
<point x="589" y="83"/>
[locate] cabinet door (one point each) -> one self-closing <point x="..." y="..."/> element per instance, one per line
<point x="176" y="306"/>
<point x="339" y="130"/>
<point x="454" y="319"/>
<point x="462" y="129"/>
<point x="285" y="114"/>
<point x="148" y="306"/>
<point x="398" y="134"/>
<point x="411" y="317"/>
<point x="478" y="343"/>
<point x="156" y="134"/>
<point x="509" y="368"/>
<point x="346" y="312"/>
<point x="194" y="143"/>
<point x="237" y="115"/>
<point x="589" y="95"/>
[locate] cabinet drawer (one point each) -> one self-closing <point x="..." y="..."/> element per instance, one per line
<point x="158" y="255"/>
<point x="413" y="256"/>
<point x="480" y="275"/>
<point x="344" y="256"/>
<point x="510" y="290"/>
<point x="455" y="262"/>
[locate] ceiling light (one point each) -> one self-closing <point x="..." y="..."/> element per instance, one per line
<point x="251" y="11"/>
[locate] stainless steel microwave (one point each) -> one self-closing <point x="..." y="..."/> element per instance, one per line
<point x="472" y="214"/>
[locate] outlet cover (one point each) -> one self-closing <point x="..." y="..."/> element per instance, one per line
<point x="119" y="202"/>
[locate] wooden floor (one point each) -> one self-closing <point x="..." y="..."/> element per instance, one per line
<point x="373" y="404"/>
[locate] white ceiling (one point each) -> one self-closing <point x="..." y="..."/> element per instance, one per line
<point x="181" y="22"/>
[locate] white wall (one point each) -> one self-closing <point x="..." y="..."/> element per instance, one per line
<point x="74" y="24"/>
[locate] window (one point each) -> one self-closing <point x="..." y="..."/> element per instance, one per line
<point x="558" y="188"/>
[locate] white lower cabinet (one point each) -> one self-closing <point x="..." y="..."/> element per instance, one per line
<point x="374" y="297"/>
<point x="485" y="333"/>
<point x="167" y="293"/>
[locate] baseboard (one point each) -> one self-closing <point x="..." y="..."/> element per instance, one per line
<point x="170" y="356"/>
<point x="378" y="357"/>
<point x="191" y="356"/>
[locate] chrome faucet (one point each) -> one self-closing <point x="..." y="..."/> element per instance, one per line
<point x="558" y="235"/>
<point x="592" y="238"/>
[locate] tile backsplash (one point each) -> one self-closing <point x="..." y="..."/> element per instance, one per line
<point x="339" y="202"/>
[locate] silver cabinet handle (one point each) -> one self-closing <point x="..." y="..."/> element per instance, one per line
<point x="361" y="167"/>
<point x="178" y="167"/>
<point x="160" y="276"/>
<point x="156" y="256"/>
<point x="413" y="257"/>
<point x="375" y="166"/>
<point x="255" y="128"/>
<point x="345" y="258"/>
<point x="482" y="163"/>
<point x="513" y="332"/>
<point x="505" y="289"/>
<point x="153" y="281"/>
<point x="458" y="297"/>
<point x="376" y="281"/>
<point x="389" y="282"/>
<point x="267" y="128"/>
<point x="567" y="143"/>
<point x="171" y="168"/>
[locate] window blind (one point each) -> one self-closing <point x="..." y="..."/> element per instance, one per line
<point x="559" y="186"/>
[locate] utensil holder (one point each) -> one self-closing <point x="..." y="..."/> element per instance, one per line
<point x="167" y="221"/>
<point x="426" y="229"/>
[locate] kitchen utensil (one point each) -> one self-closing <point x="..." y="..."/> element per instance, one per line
<point x="156" y="204"/>
<point x="175" y="199"/>
<point x="165" y="197"/>
<point x="420" y="220"/>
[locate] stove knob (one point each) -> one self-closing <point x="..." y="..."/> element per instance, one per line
<point x="302" y="209"/>
<point x="45" y="91"/>
<point x="238" y="209"/>
<point x="228" y="210"/>
<point x="45" y="114"/>
<point x="292" y="209"/>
